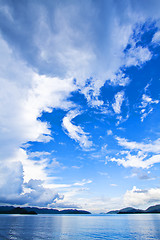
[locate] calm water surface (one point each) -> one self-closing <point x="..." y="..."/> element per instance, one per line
<point x="80" y="227"/>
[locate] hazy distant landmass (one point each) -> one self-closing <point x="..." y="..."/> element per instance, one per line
<point x="35" y="210"/>
<point x="113" y="212"/>
<point x="130" y="210"/>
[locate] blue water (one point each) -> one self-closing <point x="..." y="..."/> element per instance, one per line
<point x="80" y="227"/>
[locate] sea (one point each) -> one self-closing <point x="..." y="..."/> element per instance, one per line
<point x="80" y="227"/>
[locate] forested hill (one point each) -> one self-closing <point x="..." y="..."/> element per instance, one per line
<point x="36" y="210"/>
<point x="130" y="210"/>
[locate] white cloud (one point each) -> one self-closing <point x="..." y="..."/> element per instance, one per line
<point x="119" y="79"/>
<point x="146" y="104"/>
<point x="74" y="48"/>
<point x="142" y="175"/>
<point x="119" y="98"/>
<point x="39" y="196"/>
<point x="26" y="182"/>
<point x="140" y="197"/>
<point x="137" y="56"/>
<point x="96" y="204"/>
<point x="82" y="183"/>
<point x="109" y="132"/>
<point x="140" y="155"/>
<point x="24" y="96"/>
<point x="32" y="169"/>
<point x="139" y="160"/>
<point x="145" y="100"/>
<point x="71" y="186"/>
<point x="76" y="132"/>
<point x="104" y="174"/>
<point x="113" y="185"/>
<point x="131" y="176"/>
<point x="64" y="204"/>
<point x="152" y="146"/>
<point x="38" y="154"/>
<point x="20" y="182"/>
<point x="11" y="179"/>
<point x="156" y="37"/>
<point x="76" y="167"/>
<point x="55" y="163"/>
<point x="91" y="93"/>
<point x="145" y="114"/>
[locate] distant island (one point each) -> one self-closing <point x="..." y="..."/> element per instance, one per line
<point x="130" y="210"/>
<point x="36" y="210"/>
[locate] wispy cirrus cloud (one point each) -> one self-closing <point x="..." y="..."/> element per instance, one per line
<point x="76" y="132"/>
<point x="82" y="183"/>
<point x="138" y="160"/>
<point x="138" y="155"/>
<point x="156" y="38"/>
<point x="146" y="106"/>
<point x="118" y="100"/>
<point x="72" y="48"/>
<point x="113" y="185"/>
<point x="151" y="146"/>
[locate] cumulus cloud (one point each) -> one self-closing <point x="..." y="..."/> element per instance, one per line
<point x="76" y="132"/>
<point x="32" y="169"/>
<point x="39" y="195"/>
<point x="137" y="197"/>
<point x="20" y="181"/>
<point x="14" y="188"/>
<point x="119" y="79"/>
<point x="137" y="56"/>
<point x="24" y="96"/>
<point x="11" y="179"/>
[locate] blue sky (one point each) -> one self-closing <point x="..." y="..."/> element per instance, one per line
<point x="79" y="103"/>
